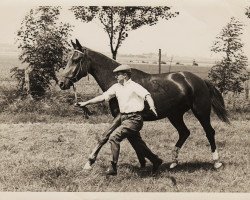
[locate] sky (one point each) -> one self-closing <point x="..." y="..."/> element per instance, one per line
<point x="190" y="34"/>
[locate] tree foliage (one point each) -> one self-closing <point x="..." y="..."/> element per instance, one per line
<point x="118" y="21"/>
<point x="19" y="75"/>
<point x="43" y="41"/>
<point x="229" y="73"/>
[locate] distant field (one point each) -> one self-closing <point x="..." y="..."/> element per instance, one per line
<point x="154" y="69"/>
<point x="90" y="86"/>
<point x="9" y="61"/>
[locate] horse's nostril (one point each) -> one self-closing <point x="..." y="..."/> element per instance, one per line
<point x="61" y="84"/>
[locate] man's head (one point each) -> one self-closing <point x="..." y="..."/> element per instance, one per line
<point x="122" y="73"/>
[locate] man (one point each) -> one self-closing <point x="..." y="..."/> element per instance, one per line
<point x="131" y="97"/>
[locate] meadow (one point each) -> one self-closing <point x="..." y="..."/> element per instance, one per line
<point x="44" y="145"/>
<point x="50" y="157"/>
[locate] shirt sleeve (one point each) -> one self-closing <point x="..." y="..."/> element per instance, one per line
<point x="141" y="91"/>
<point x="110" y="93"/>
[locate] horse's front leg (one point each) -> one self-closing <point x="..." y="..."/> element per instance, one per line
<point x="92" y="157"/>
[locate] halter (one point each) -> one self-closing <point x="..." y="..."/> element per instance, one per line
<point x="75" y="77"/>
<point x="79" y="51"/>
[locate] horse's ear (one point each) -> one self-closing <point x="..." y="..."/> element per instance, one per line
<point x="73" y="44"/>
<point x="79" y="46"/>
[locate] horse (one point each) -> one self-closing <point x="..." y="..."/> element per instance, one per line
<point x="174" y="94"/>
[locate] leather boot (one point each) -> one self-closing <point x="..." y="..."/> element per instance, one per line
<point x="142" y="165"/>
<point x="156" y="165"/>
<point x="112" y="170"/>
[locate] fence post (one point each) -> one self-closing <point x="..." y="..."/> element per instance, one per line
<point x="159" y="61"/>
<point x="170" y="64"/>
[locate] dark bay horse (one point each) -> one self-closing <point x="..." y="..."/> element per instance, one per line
<point x="174" y="94"/>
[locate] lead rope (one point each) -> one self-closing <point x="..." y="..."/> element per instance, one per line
<point x="86" y="111"/>
<point x="75" y="93"/>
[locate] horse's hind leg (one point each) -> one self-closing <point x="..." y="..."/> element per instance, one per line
<point x="178" y="123"/>
<point x="204" y="118"/>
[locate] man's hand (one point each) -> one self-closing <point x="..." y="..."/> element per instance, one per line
<point x="151" y="104"/>
<point x="81" y="104"/>
<point x="85" y="110"/>
<point x="154" y="111"/>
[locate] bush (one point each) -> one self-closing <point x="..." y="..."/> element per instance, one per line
<point x="55" y="103"/>
<point x="238" y="106"/>
<point x="237" y="103"/>
<point x="58" y="105"/>
<point x="43" y="41"/>
<point x="8" y="96"/>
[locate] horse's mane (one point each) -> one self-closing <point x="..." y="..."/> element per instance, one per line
<point x="107" y="61"/>
<point x="101" y="58"/>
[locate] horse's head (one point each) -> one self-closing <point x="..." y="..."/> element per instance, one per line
<point x="76" y="68"/>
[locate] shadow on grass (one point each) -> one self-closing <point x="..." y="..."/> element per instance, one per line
<point x="191" y="167"/>
<point x="146" y="172"/>
<point x="165" y="171"/>
<point x="187" y="167"/>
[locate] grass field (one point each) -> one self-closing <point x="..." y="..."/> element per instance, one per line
<point x="44" y="146"/>
<point x="50" y="157"/>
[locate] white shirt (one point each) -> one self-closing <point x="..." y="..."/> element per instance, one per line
<point x="130" y="96"/>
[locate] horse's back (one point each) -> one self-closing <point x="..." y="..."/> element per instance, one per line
<point x="171" y="84"/>
<point x="180" y="83"/>
<point x="174" y="91"/>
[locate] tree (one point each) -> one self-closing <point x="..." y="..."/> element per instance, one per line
<point x="118" y="21"/>
<point x="43" y="41"/>
<point x="229" y="73"/>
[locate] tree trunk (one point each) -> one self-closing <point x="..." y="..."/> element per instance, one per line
<point x="114" y="53"/>
<point x="247" y="88"/>
<point x="27" y="81"/>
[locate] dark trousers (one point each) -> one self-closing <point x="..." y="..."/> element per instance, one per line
<point x="130" y="126"/>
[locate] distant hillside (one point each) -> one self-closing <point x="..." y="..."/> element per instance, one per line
<point x="150" y="58"/>
<point x="8" y="49"/>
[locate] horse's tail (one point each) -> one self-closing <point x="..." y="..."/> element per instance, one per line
<point x="217" y="101"/>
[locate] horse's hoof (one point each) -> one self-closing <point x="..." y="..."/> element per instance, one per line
<point x="87" y="166"/>
<point x="217" y="165"/>
<point x="173" y="165"/>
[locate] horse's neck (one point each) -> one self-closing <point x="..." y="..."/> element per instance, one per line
<point x="102" y="70"/>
